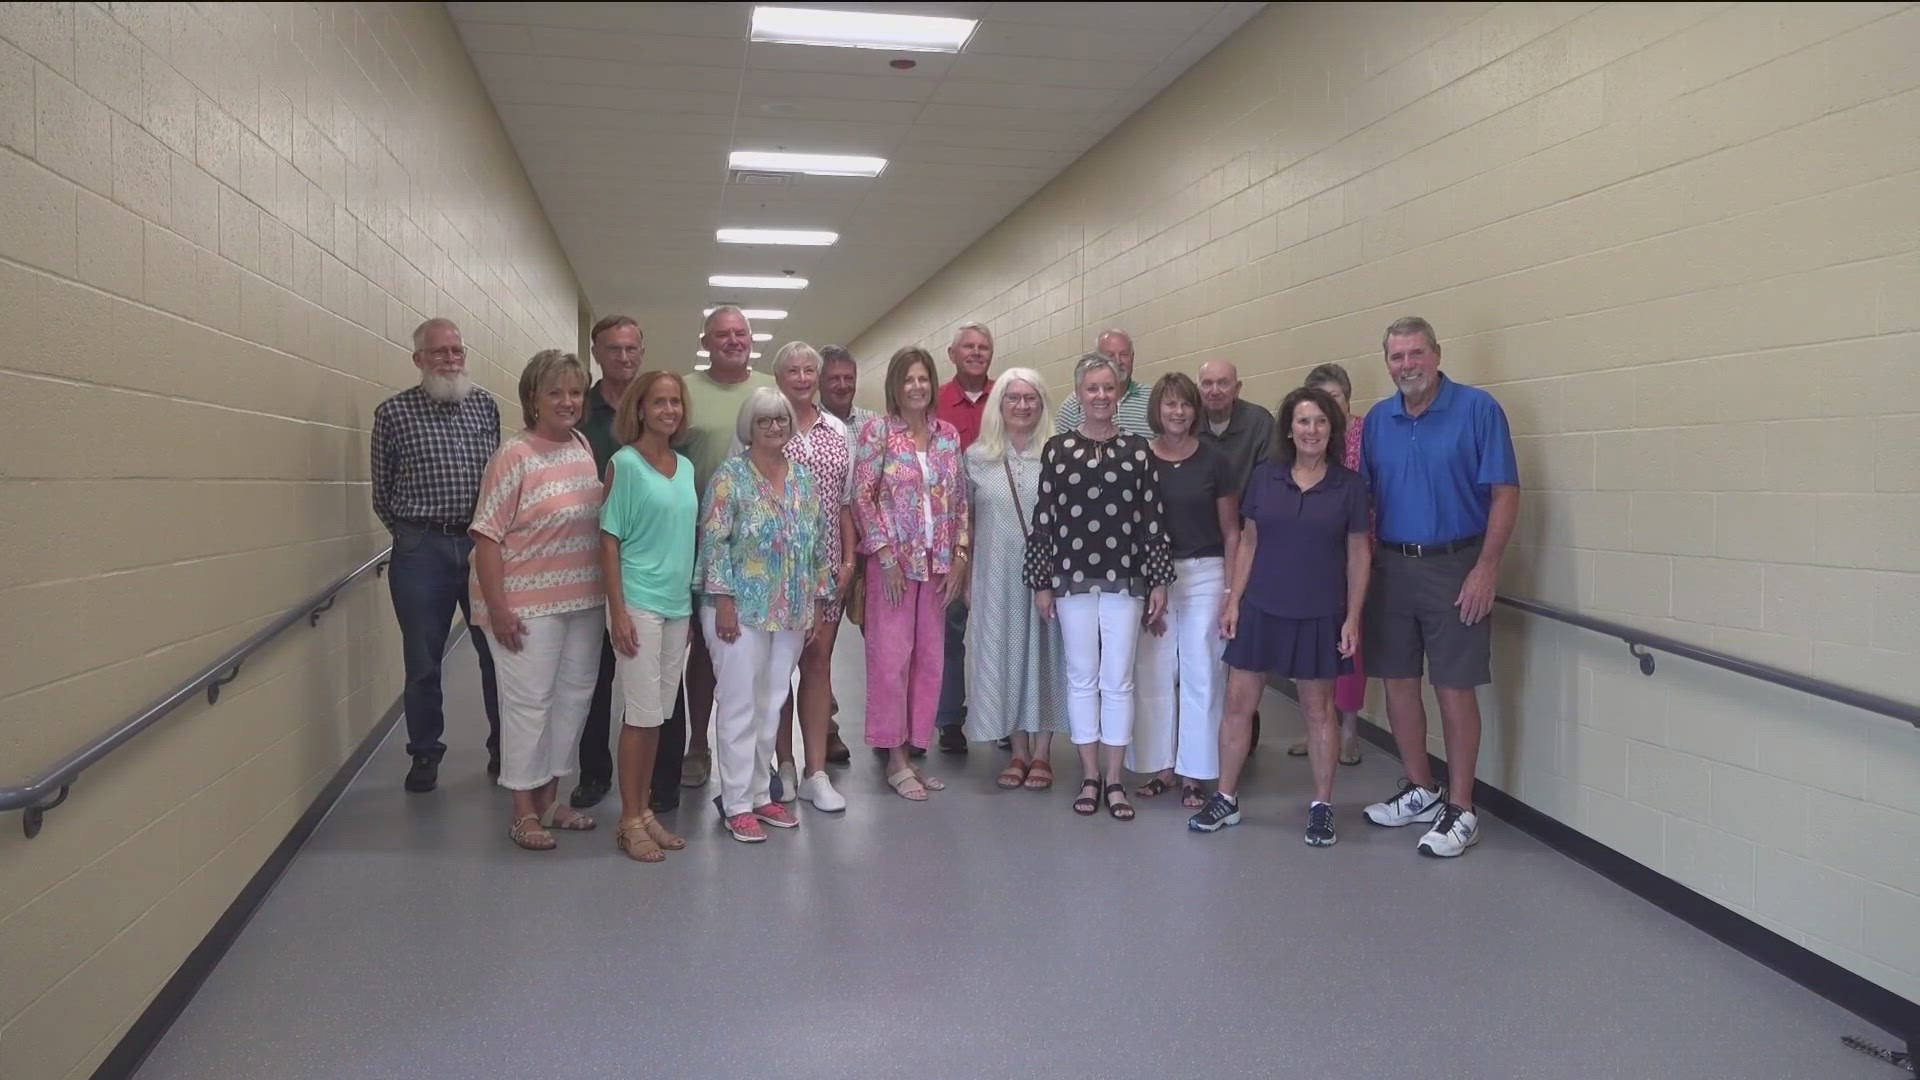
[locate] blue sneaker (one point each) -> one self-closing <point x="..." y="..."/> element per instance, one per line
<point x="1219" y="812"/>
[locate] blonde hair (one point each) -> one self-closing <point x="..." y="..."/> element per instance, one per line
<point x="628" y="420"/>
<point x="546" y="367"/>
<point x="992" y="443"/>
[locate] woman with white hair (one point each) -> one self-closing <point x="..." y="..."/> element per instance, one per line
<point x="765" y="578"/>
<point x="1099" y="544"/>
<point x="1014" y="675"/>
<point x="820" y="442"/>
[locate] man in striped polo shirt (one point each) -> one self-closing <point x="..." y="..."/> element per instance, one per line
<point x="1131" y="417"/>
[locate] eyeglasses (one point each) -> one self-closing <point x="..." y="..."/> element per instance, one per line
<point x="769" y="423"/>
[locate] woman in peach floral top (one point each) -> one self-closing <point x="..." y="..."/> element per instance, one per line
<point x="909" y="498"/>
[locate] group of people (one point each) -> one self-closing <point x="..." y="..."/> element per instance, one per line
<point x="1132" y="579"/>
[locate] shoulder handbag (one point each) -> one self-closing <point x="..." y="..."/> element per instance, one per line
<point x="1015" y="492"/>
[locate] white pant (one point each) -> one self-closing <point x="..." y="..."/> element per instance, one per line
<point x="649" y="681"/>
<point x="751" y="676"/>
<point x="1187" y="656"/>
<point x="1099" y="631"/>
<point x="545" y="689"/>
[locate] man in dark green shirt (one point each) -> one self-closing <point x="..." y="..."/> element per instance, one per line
<point x="618" y="347"/>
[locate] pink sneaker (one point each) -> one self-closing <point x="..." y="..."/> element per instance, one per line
<point x="745" y="829"/>
<point x="777" y="815"/>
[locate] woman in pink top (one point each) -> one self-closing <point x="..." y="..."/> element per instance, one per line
<point x="910" y="500"/>
<point x="536" y="587"/>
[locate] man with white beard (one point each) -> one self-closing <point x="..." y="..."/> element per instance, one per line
<point x="431" y="443"/>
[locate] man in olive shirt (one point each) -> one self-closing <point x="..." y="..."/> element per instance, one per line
<point x="714" y="397"/>
<point x="619" y="348"/>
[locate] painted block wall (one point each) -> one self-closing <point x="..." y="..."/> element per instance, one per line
<point x="219" y="224"/>
<point x="1679" y="242"/>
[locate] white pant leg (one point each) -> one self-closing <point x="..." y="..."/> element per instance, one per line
<point x="1155" y="674"/>
<point x="573" y="682"/>
<point x="1119" y="639"/>
<point x="1079" y="616"/>
<point x="736" y="669"/>
<point x="776" y="681"/>
<point x="1201" y="586"/>
<point x="650" y="679"/>
<point x="526" y="682"/>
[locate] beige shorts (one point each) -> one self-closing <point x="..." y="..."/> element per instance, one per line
<point x="650" y="680"/>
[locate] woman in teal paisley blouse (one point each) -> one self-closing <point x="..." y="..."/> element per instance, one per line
<point x="765" y="576"/>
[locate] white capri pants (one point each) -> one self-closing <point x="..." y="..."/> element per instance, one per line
<point x="1179" y="680"/>
<point x="545" y="689"/>
<point x="1099" y="631"/>
<point x="751" y="676"/>
<point x="649" y="681"/>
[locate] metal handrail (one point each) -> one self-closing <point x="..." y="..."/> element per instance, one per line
<point x="49" y="789"/>
<point x="1639" y="641"/>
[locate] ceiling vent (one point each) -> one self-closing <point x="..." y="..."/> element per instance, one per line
<point x="759" y="177"/>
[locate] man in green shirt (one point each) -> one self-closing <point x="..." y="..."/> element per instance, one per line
<point x="619" y="347"/>
<point x="1117" y="346"/>
<point x="714" y="397"/>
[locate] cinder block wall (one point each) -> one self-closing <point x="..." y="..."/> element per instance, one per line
<point x="218" y="225"/>
<point x="1679" y="242"/>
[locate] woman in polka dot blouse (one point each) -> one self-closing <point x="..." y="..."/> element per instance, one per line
<point x="1098" y="556"/>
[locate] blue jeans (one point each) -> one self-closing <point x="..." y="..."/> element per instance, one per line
<point x="428" y="580"/>
<point x="953" y="676"/>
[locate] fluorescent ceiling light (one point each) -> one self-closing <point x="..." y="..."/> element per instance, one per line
<point x="756" y="281"/>
<point x="810" y="164"/>
<point x="756" y="313"/>
<point x="702" y="354"/>
<point x="861" y="29"/>
<point x="796" y="237"/>
<point x="756" y="337"/>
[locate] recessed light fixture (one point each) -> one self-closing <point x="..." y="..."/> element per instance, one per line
<point x="861" y="29"/>
<point x="756" y="281"/>
<point x="756" y="313"/>
<point x="756" y="337"/>
<point x="810" y="164"/>
<point x="703" y="354"/>
<point x="795" y="237"/>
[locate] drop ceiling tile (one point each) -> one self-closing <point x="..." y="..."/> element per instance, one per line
<point x="1134" y="16"/>
<point x="1071" y="42"/>
<point x="771" y="56"/>
<point x="524" y="68"/>
<point x="726" y="20"/>
<point x="891" y="86"/>
<point x="1043" y="71"/>
<point x="1004" y="120"/>
<point x="1017" y="96"/>
<point x="838" y="110"/>
<point x="638" y="48"/>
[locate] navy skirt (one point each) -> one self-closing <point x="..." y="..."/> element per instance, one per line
<point x="1288" y="648"/>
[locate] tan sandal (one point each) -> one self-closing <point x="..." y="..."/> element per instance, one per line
<point x="931" y="783"/>
<point x="1013" y="775"/>
<point x="576" y="822"/>
<point x="660" y="834"/>
<point x="632" y="838"/>
<point x="906" y="784"/>
<point x="1040" y="776"/>
<point x="526" y="832"/>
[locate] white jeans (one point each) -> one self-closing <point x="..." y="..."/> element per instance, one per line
<point x="1099" y="631"/>
<point x="751" y="676"/>
<point x="1186" y="657"/>
<point x="650" y="679"/>
<point x="545" y="689"/>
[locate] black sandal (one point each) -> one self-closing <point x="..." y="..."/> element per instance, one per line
<point x="1155" y="786"/>
<point x="1192" y="796"/>
<point x="1122" y="810"/>
<point x="1089" y="801"/>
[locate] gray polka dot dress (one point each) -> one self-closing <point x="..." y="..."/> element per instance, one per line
<point x="1099" y="523"/>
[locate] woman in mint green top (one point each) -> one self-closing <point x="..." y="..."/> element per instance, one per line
<point x="647" y="527"/>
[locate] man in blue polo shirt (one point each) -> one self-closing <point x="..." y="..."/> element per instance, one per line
<point x="1446" y="491"/>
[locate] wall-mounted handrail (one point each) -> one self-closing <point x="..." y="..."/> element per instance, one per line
<point x="49" y="789"/>
<point x="1639" y="641"/>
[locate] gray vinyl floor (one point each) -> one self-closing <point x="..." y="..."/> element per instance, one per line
<point x="982" y="934"/>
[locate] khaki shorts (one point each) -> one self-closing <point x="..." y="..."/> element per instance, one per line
<point x="649" y="681"/>
<point x="1410" y="618"/>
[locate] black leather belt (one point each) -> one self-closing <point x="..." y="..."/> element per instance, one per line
<point x="444" y="528"/>
<point x="1427" y="551"/>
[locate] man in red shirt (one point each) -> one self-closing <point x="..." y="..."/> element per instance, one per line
<point x="962" y="400"/>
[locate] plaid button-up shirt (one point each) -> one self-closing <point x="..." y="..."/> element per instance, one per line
<point x="428" y="458"/>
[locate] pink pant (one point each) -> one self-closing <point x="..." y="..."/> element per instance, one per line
<point x="906" y="650"/>
<point x="1350" y="691"/>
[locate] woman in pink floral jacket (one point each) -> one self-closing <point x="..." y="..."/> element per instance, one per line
<point x="910" y="503"/>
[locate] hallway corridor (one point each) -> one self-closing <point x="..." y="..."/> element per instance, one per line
<point x="984" y="934"/>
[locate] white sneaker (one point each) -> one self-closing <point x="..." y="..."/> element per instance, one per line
<point x="1414" y="803"/>
<point x="818" y="790"/>
<point x="1454" y="832"/>
<point x="786" y="784"/>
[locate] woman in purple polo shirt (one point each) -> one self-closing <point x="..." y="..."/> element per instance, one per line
<point x="1294" y="598"/>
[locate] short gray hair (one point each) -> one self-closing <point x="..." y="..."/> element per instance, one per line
<point x="420" y="332"/>
<point x="976" y="327"/>
<point x="764" y="401"/>
<point x="1091" y="363"/>
<point x="1410" y="324"/>
<point x="1335" y="374"/>
<point x="836" y="354"/>
<point x="792" y="353"/>
<point x="1115" y="332"/>
<point x="707" y="326"/>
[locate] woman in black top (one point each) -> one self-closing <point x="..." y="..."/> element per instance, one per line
<point x="1099" y="542"/>
<point x="1180" y="682"/>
